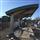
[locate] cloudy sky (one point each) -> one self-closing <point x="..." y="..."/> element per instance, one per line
<point x="6" y="5"/>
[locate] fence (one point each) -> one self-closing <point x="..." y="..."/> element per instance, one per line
<point x="4" y="25"/>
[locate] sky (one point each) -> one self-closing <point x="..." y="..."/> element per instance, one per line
<point x="6" y="5"/>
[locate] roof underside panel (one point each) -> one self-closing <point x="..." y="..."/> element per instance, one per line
<point x="26" y="10"/>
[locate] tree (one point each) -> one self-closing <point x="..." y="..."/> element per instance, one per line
<point x="0" y="20"/>
<point x="5" y="18"/>
<point x="38" y="18"/>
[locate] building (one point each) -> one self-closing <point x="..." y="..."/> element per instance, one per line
<point x="21" y="12"/>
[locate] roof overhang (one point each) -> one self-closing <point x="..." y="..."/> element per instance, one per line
<point x="26" y="10"/>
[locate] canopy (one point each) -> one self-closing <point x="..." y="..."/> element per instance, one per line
<point x="26" y="10"/>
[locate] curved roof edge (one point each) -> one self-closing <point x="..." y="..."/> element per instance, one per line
<point x="9" y="12"/>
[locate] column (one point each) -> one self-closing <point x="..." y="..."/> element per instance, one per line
<point x="11" y="24"/>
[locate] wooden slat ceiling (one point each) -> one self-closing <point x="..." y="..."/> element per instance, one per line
<point x="23" y="13"/>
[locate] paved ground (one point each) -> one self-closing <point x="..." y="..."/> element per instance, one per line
<point x="3" y="34"/>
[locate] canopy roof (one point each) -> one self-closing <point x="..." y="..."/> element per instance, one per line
<point x="26" y="10"/>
